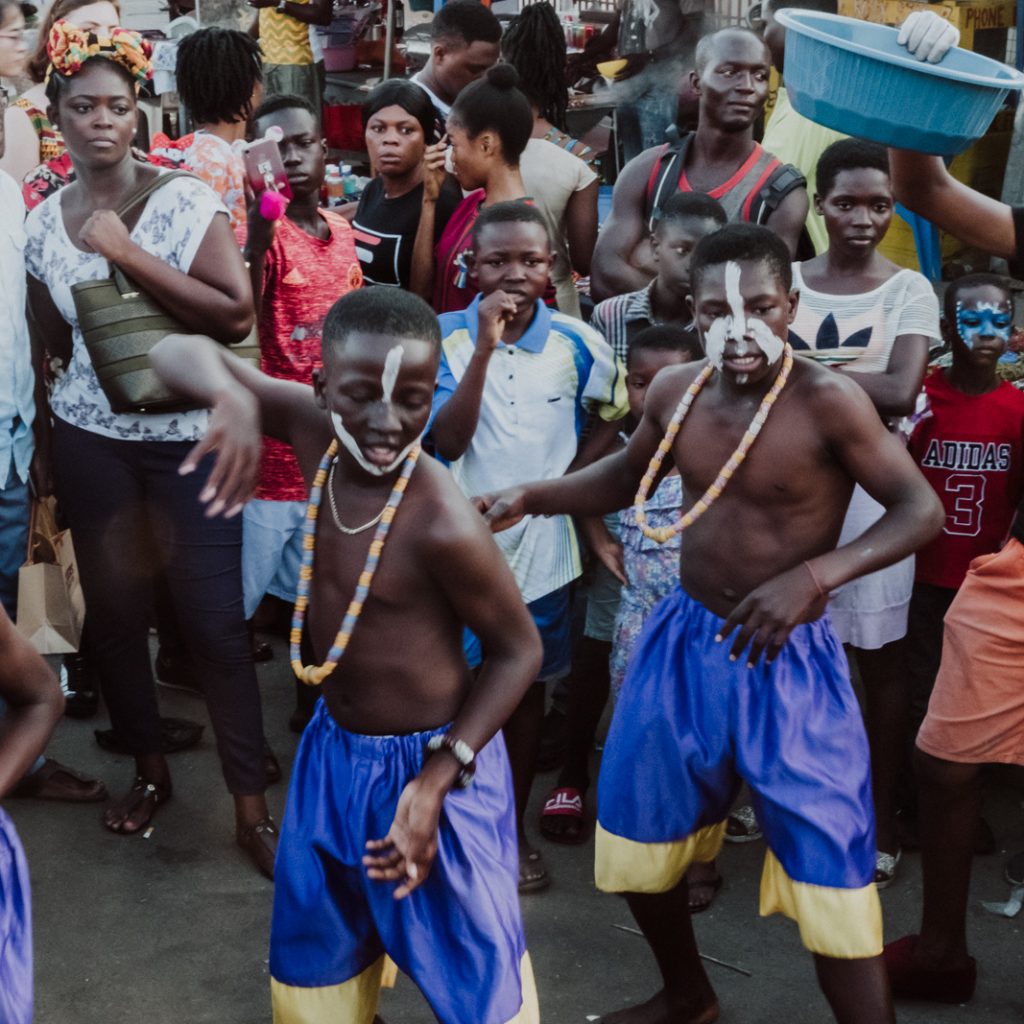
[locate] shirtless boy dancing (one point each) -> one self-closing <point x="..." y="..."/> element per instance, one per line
<point x="399" y="837"/>
<point x="702" y="706"/>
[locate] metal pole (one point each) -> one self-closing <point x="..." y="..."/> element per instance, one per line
<point x="389" y="35"/>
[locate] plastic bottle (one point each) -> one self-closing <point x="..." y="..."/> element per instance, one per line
<point x="350" y="183"/>
<point x="569" y="25"/>
<point x="334" y="185"/>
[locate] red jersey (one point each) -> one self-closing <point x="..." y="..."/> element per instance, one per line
<point x="970" y="449"/>
<point x="302" y="278"/>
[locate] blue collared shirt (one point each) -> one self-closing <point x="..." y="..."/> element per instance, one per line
<point x="537" y="396"/>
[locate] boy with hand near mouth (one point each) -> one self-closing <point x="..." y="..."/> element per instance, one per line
<point x="698" y="711"/>
<point x="515" y="386"/>
<point x="399" y="835"/>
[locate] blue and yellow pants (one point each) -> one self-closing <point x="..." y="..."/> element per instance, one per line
<point x="690" y="725"/>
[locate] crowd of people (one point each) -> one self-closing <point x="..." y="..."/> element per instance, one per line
<point x="522" y="427"/>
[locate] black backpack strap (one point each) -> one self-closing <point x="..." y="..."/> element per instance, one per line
<point x="664" y="181"/>
<point x="784" y="179"/>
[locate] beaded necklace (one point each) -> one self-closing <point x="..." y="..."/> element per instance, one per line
<point x="314" y="675"/>
<point x="662" y="534"/>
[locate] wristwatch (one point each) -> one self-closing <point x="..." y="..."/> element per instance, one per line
<point x="461" y="751"/>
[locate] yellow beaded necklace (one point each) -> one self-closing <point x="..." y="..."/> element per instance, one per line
<point x="662" y="534"/>
<point x="314" y="675"/>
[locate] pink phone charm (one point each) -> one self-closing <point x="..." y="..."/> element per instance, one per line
<point x="265" y="171"/>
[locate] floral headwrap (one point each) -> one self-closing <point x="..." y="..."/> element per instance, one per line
<point x="69" y="48"/>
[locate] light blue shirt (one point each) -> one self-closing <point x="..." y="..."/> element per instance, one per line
<point x="17" y="384"/>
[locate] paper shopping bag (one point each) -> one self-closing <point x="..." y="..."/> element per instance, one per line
<point x="51" y="606"/>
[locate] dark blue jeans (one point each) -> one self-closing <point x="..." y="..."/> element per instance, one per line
<point x="125" y="501"/>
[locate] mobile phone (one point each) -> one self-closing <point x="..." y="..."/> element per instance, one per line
<point x="265" y="169"/>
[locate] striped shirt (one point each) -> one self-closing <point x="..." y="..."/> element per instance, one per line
<point x="536" y="398"/>
<point x="622" y="317"/>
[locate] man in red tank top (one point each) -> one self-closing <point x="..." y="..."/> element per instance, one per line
<point x="721" y="158"/>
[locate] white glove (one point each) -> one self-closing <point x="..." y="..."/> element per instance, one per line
<point x="928" y="36"/>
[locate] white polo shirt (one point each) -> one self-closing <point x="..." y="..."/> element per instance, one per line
<point x="537" y="396"/>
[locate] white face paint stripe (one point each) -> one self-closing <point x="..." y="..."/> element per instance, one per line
<point x="392" y="364"/>
<point x="356" y="452"/>
<point x="738" y="326"/>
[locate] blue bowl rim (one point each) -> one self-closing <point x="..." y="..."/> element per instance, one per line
<point x="794" y="19"/>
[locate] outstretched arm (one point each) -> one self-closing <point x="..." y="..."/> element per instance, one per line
<point x="477" y="582"/>
<point x="34" y="704"/>
<point x="923" y="184"/>
<point x="913" y="515"/>
<point x="244" y="404"/>
<point x="617" y="267"/>
<point x="607" y="485"/>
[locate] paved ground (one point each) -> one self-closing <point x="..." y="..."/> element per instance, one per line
<point x="173" y="929"/>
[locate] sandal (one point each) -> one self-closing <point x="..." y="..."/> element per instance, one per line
<point x="142" y="790"/>
<point x="537" y="879"/>
<point x="713" y="884"/>
<point x="742" y="826"/>
<point x="562" y="820"/>
<point x="259" y="840"/>
<point x="56" y="781"/>
<point x="886" y="865"/>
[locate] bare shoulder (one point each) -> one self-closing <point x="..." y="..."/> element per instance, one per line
<point x="834" y="401"/>
<point x="632" y="181"/>
<point x="668" y="388"/>
<point x="446" y="518"/>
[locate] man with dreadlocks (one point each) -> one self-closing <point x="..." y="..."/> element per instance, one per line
<point x="220" y="79"/>
<point x="556" y="169"/>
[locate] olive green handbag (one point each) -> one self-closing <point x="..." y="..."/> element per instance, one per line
<point x="120" y="323"/>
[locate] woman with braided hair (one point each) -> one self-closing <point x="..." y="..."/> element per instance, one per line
<point x="219" y="75"/>
<point x="557" y="170"/>
<point x="116" y="474"/>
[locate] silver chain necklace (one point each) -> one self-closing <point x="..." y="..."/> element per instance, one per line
<point x="349" y="530"/>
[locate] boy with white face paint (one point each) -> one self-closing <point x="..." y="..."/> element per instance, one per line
<point x="399" y="837"/>
<point x="767" y="466"/>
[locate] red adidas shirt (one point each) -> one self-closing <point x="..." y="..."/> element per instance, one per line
<point x="302" y="278"/>
<point x="970" y="449"/>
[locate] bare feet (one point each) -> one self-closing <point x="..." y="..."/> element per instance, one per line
<point x="135" y="810"/>
<point x="660" y="1009"/>
<point x="56" y="781"/>
<point x="702" y="883"/>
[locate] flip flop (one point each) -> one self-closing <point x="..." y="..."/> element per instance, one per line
<point x="538" y="879"/>
<point x="564" y="802"/>
<point x="714" y="885"/>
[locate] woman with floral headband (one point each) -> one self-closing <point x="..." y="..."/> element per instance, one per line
<point x="32" y="140"/>
<point x="117" y="474"/>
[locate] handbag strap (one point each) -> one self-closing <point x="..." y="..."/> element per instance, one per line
<point x="149" y="188"/>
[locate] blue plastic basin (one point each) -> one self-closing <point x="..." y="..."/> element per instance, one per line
<point x="852" y="76"/>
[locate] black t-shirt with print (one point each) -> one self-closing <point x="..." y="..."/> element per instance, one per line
<point x="385" y="230"/>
